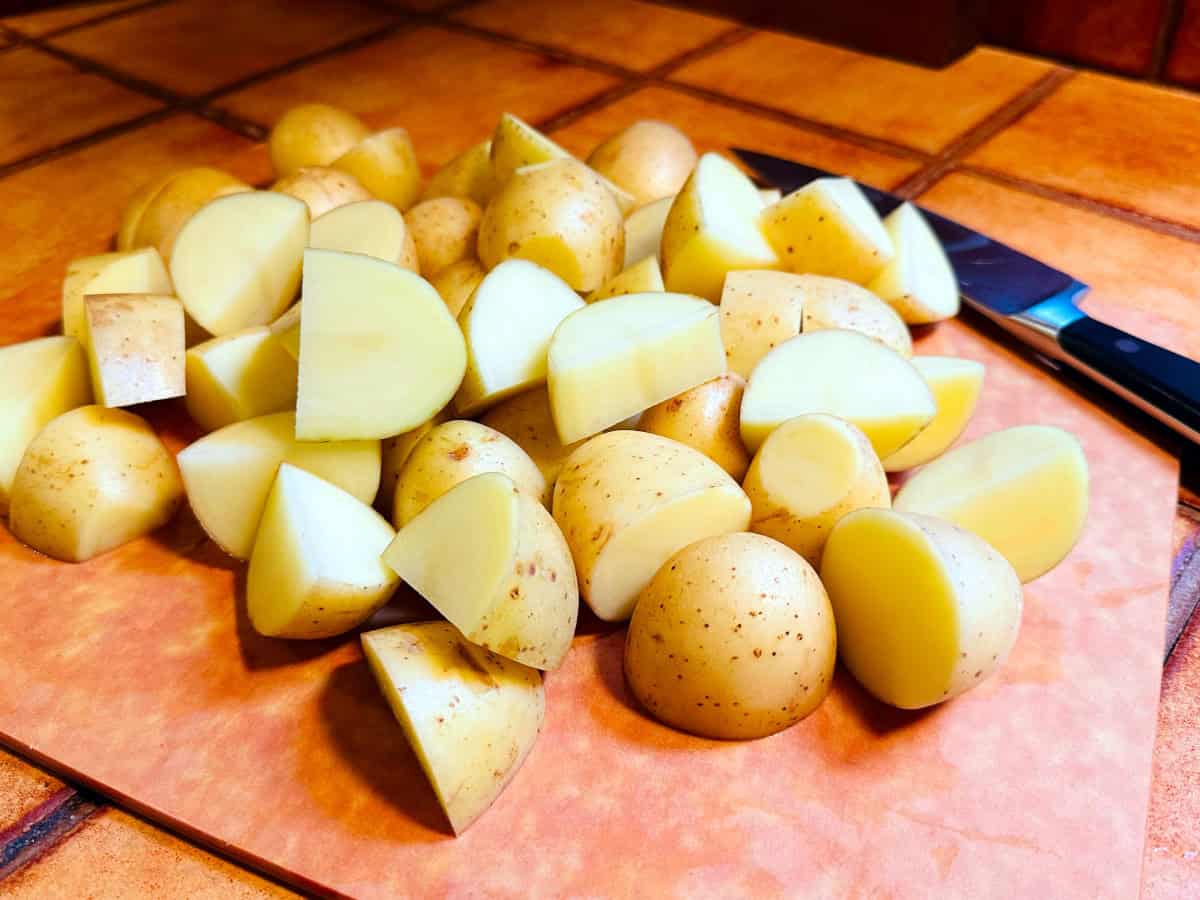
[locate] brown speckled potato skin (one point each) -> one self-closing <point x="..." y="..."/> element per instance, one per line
<point x="526" y="418"/>
<point x="837" y="303"/>
<point x="322" y="189"/>
<point x="649" y="159"/>
<point x="445" y="230"/>
<point x="705" y="418"/>
<point x="135" y="345"/>
<point x="734" y="638"/>
<point x="312" y="134"/>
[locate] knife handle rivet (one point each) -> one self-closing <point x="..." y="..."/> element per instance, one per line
<point x="1127" y="345"/>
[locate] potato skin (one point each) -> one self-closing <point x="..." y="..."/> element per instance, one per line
<point x="385" y="163"/>
<point x="705" y="418"/>
<point x="312" y="134"/>
<point x="322" y="189"/>
<point x="733" y="638"/>
<point x="446" y="230"/>
<point x="456" y="283"/>
<point x="649" y="159"/>
<point x="176" y="201"/>
<point x="526" y="418"/>
<point x="836" y="303"/>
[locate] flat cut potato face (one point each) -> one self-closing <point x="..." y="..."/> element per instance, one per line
<point x="492" y="561"/>
<point x="92" y="479"/>
<point x="919" y="282"/>
<point x="844" y="374"/>
<point x="228" y="474"/>
<point x="934" y="613"/>
<point x="649" y="159"/>
<point x="132" y="272"/>
<point x="759" y="311"/>
<point x="528" y="421"/>
<point x="470" y="715"/>
<point x="467" y="175"/>
<point x="322" y="189"/>
<point x="706" y="419"/>
<point x="239" y="376"/>
<point x="287" y="331"/>
<point x="445" y="230"/>
<point x="135" y="347"/>
<point x="181" y="196"/>
<point x="837" y="303"/>
<point x="956" y="385"/>
<point x="828" y="227"/>
<point x="1024" y="490"/>
<point x="457" y="282"/>
<point x="312" y="134"/>
<point x="379" y="353"/>
<point x="643" y="230"/>
<point x="300" y="583"/>
<point x="370" y="227"/>
<point x="385" y="163"/>
<point x="641" y="278"/>
<point x="611" y="360"/>
<point x="39" y="381"/>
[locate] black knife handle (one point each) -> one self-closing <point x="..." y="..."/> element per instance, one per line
<point x="1166" y="384"/>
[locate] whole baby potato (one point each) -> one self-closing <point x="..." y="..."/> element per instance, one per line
<point x="705" y="418"/>
<point x="312" y="134"/>
<point x="559" y="215"/>
<point x="649" y="159"/>
<point x="322" y="189"/>
<point x="445" y="230"/>
<point x="733" y="638"/>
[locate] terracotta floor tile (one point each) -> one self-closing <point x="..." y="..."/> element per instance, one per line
<point x="36" y="24"/>
<point x="623" y="32"/>
<point x="404" y="80"/>
<point x="198" y="49"/>
<point x="1141" y="281"/>
<point x="418" y="5"/>
<point x="906" y="104"/>
<point x="713" y="126"/>
<point x="1183" y="65"/>
<point x="114" y="855"/>
<point x="71" y="206"/>
<point x="45" y="102"/>
<point x="1128" y="144"/>
<point x="22" y="787"/>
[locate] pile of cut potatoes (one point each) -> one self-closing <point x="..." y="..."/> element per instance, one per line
<point x="634" y="379"/>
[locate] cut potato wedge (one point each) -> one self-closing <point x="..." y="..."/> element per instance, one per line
<point x="133" y="272"/>
<point x="641" y="278"/>
<point x="379" y="353"/>
<point x="516" y="144"/>
<point x="528" y="421"/>
<point x="236" y="262"/>
<point x="456" y="283"/>
<point x="643" y="230"/>
<point x="467" y="175"/>
<point x="828" y="228"/>
<point x="844" y="374"/>
<point x="470" y="716"/>
<point x="312" y="134"/>
<point x="508" y="323"/>
<point x="385" y="163"/>
<point x="611" y="360"/>
<point x="1023" y="490"/>
<point x="712" y="230"/>
<point x="809" y="472"/>
<point x="301" y="584"/>
<point x="627" y="501"/>
<point x="322" y="189"/>
<point x="837" y="303"/>
<point x="493" y="562"/>
<point x="925" y="610"/>
<point x="956" y="385"/>
<point x="919" y="282"/>
<point x="135" y="347"/>
<point x="759" y="311"/>
<point x="239" y="376"/>
<point x="287" y="331"/>
<point x="370" y="227"/>
<point x="39" y="381"/>
<point x="228" y="474"/>
<point x="706" y="419"/>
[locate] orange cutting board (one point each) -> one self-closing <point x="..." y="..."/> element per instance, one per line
<point x="137" y="673"/>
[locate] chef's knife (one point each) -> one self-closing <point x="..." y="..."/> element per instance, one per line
<point x="1038" y="304"/>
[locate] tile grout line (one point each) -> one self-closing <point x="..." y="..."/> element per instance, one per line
<point x="42" y="829"/>
<point x="103" y="17"/>
<point x="87" y="140"/>
<point x="566" y="56"/>
<point x="723" y="41"/>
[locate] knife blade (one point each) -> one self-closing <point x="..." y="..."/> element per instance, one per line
<point x="1039" y="305"/>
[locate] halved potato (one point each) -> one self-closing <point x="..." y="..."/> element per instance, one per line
<point x="457" y="282"/>
<point x="182" y="195"/>
<point x="492" y="561"/>
<point x="135" y="347"/>
<point x="837" y="303"/>
<point x="236" y="262"/>
<point x="508" y="323"/>
<point x="759" y="311"/>
<point x="842" y="373"/>
<point x="706" y="419"/>
<point x="312" y="134"/>
<point x="228" y="474"/>
<point x="445" y="230"/>
<point x="956" y="385"/>
<point x="641" y="278"/>
<point x="301" y="584"/>
<point x="649" y="159"/>
<point x="91" y="480"/>
<point x="809" y="472"/>
<point x="828" y="227"/>
<point x="467" y="175"/>
<point x="1024" y="490"/>
<point x="39" y="381"/>
<point x="379" y="353"/>
<point x="643" y="230"/>
<point x="611" y="360"/>
<point x="133" y="272"/>
<point x="925" y="610"/>
<point x="385" y="163"/>
<point x="239" y="376"/>
<point x="322" y="189"/>
<point x="471" y="716"/>
<point x="712" y="229"/>
<point x="919" y="282"/>
<point x="370" y="227"/>
<point x="528" y="421"/>
<point x="627" y="501"/>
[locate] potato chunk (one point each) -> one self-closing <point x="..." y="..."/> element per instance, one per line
<point x="759" y="311"/>
<point x="706" y="419"/>
<point x="446" y="231"/>
<point x="312" y="134"/>
<point x="456" y="283"/>
<point x="837" y="303"/>
<point x="467" y="175"/>
<point x="956" y="385"/>
<point x="919" y="282"/>
<point x="178" y="198"/>
<point x="370" y="227"/>
<point x="239" y="376"/>
<point x="641" y="278"/>
<point x="649" y="159"/>
<point x="133" y="272"/>
<point x="528" y="421"/>
<point x="643" y="230"/>
<point x="135" y="347"/>
<point x="322" y="189"/>
<point x="385" y="163"/>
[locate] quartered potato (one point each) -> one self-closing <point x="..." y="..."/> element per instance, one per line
<point x="956" y="385"/>
<point x="918" y="282"/>
<point x="759" y="311"/>
<point x="467" y="175"/>
<point x="643" y="230"/>
<point x="385" y="164"/>
<point x="640" y="278"/>
<point x="240" y="376"/>
<point x="837" y="303"/>
<point x="706" y="419"/>
<point x="157" y="222"/>
<point x="322" y="189"/>
<point x="130" y="272"/>
<point x="135" y="347"/>
<point x="370" y="227"/>
<point x="312" y="134"/>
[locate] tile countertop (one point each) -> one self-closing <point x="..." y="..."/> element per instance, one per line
<point x="1090" y="172"/>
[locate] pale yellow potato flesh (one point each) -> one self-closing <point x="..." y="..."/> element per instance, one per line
<point x="1024" y="490"/>
<point x="370" y="227"/>
<point x="287" y="330"/>
<point x="239" y="376"/>
<point x="828" y="227"/>
<point x="643" y="230"/>
<point x="135" y="347"/>
<point x="228" y="473"/>
<point x="131" y="216"/>
<point x="394" y="453"/>
<point x="770" y="195"/>
<point x="132" y="272"/>
<point x="842" y="373"/>
<point x="467" y="175"/>
<point x="925" y="610"/>
<point x="627" y="501"/>
<point x="759" y="311"/>
<point x="649" y="159"/>
<point x="236" y="262"/>
<point x="301" y="584"/>
<point x="322" y="189"/>
<point x="39" y="381"/>
<point x="919" y="282"/>
<point x="809" y="472"/>
<point x="706" y="419"/>
<point x="312" y="134"/>
<point x="527" y="419"/>
<point x="956" y="385"/>
<point x="182" y="195"/>
<point x="507" y="324"/>
<point x="733" y="639"/>
<point x="712" y="230"/>
<point x="457" y="282"/>
<point x="379" y="352"/>
<point x="453" y="452"/>
<point x="491" y="560"/>
<point x="445" y="230"/>
<point x="91" y="480"/>
<point x="385" y="163"/>
<point x="470" y="715"/>
<point x="837" y="303"/>
<point x="612" y="360"/>
<point x="642" y="277"/>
